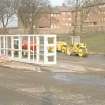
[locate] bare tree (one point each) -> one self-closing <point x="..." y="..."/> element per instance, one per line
<point x="84" y="3"/>
<point x="75" y="5"/>
<point x="7" y="10"/>
<point x="29" y="12"/>
<point x="81" y="9"/>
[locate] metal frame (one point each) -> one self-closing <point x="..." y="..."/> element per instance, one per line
<point x="12" y="47"/>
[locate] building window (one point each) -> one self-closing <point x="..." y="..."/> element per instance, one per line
<point x="70" y="24"/>
<point x="95" y="23"/>
<point x="69" y="13"/>
<point x="52" y="15"/>
<point x="63" y="19"/>
<point x="67" y="24"/>
<point x="55" y="15"/>
<point x="53" y="26"/>
<point x="63" y="13"/>
<point x="69" y="19"/>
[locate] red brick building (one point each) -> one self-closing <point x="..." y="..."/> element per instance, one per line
<point x="92" y="18"/>
<point x="61" y="20"/>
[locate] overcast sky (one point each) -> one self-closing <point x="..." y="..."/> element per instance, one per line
<point x="56" y="2"/>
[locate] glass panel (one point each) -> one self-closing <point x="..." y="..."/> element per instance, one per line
<point x="41" y="49"/>
<point x="32" y="45"/>
<point x="16" y="38"/>
<point x="16" y="53"/>
<point x="25" y="47"/>
<point x="9" y="46"/>
<point x="2" y="44"/>
<point x="16" y="47"/>
<point x="50" y="58"/>
<point x="41" y="45"/>
<point x="16" y="44"/>
<point x="35" y="48"/>
<point x="9" y="42"/>
<point x="9" y="52"/>
<point x="41" y="57"/>
<point x="50" y="49"/>
<point x="2" y="51"/>
<point x="50" y="40"/>
<point x="41" y="40"/>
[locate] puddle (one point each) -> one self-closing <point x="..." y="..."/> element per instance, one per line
<point x="79" y="79"/>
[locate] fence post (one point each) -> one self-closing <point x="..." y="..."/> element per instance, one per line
<point x="0" y="45"/>
<point x="37" y="49"/>
<point x="55" y="53"/>
<point x="12" y="47"/>
<point x="4" y="45"/>
<point x="45" y="49"/>
<point x="28" y="47"/>
<point x="20" y="47"/>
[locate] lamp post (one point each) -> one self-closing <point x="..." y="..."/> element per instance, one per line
<point x="76" y="17"/>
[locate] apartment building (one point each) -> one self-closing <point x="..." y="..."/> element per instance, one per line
<point x="91" y="19"/>
<point x="58" y="20"/>
<point x="61" y="20"/>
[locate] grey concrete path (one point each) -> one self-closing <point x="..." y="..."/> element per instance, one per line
<point x="23" y="87"/>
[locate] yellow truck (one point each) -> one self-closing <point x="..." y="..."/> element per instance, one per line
<point x="79" y="49"/>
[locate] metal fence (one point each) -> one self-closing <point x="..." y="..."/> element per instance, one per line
<point x="37" y="49"/>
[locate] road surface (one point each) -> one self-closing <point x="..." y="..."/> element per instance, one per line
<point x="23" y="87"/>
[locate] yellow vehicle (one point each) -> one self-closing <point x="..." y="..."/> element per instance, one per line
<point x="60" y="45"/>
<point x="79" y="49"/>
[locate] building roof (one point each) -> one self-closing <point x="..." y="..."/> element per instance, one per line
<point x="59" y="9"/>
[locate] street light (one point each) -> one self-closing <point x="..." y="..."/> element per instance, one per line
<point x="76" y="17"/>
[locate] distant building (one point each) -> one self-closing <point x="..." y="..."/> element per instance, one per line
<point x="58" y="20"/>
<point x="92" y="19"/>
<point x="61" y="20"/>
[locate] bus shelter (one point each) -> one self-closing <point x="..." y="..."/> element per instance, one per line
<point x="36" y="49"/>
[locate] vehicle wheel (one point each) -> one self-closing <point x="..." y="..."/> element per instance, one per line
<point x="80" y="54"/>
<point x="63" y="51"/>
<point x="69" y="52"/>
